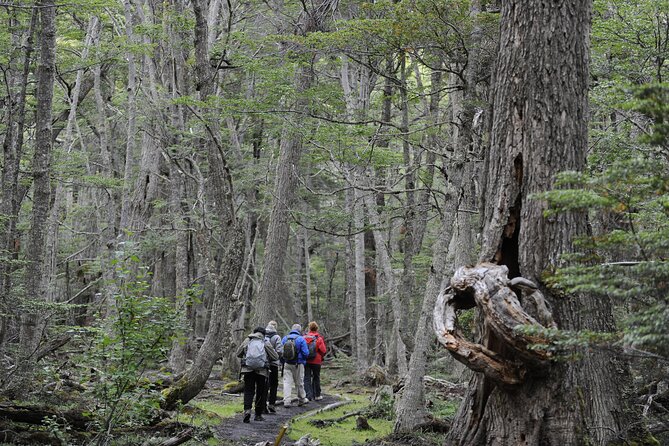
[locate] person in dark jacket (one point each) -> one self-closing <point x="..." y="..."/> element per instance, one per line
<point x="312" y="371"/>
<point x="273" y="382"/>
<point x="293" y="370"/>
<point x="255" y="380"/>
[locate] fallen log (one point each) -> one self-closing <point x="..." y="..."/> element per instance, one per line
<point x="36" y="415"/>
<point x="441" y="382"/>
<point x="179" y="439"/>
<point x="327" y="408"/>
<point x="52" y="346"/>
<point x="331" y="421"/>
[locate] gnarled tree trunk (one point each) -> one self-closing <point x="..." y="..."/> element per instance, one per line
<point x="539" y="129"/>
<point x="231" y="234"/>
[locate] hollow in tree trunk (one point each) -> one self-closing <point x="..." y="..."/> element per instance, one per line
<point x="539" y="128"/>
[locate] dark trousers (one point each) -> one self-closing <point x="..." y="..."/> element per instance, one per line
<point x="255" y="384"/>
<point x="312" y="380"/>
<point x="273" y="384"/>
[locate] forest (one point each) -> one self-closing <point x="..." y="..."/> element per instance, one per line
<point x="469" y="197"/>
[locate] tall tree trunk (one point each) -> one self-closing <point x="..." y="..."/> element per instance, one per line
<point x="357" y="86"/>
<point x="386" y="284"/>
<point x="31" y="324"/>
<point x="12" y="150"/>
<point x="272" y="285"/>
<point x="108" y="197"/>
<point x="178" y="193"/>
<point x="58" y="208"/>
<point x="231" y="234"/>
<point x="411" y="237"/>
<point x="362" y="350"/>
<point x="178" y="353"/>
<point x="539" y="128"/>
<point x="307" y="273"/>
<point x="350" y="274"/>
<point x="410" y="407"/>
<point x="273" y="288"/>
<point x="146" y="185"/>
<point x="126" y="203"/>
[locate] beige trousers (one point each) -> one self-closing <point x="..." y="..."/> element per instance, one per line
<point x="293" y="375"/>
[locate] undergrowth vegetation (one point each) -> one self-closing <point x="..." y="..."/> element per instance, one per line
<point x="344" y="432"/>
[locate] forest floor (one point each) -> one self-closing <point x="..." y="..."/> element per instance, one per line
<point x="331" y="426"/>
<point x="229" y="430"/>
<point x="233" y="429"/>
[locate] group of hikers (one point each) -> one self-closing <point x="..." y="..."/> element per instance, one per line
<point x="298" y="355"/>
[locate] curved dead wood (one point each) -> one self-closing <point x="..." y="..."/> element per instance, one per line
<point x="487" y="286"/>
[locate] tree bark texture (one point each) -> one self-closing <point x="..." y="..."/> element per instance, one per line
<point x="31" y="331"/>
<point x="539" y="128"/>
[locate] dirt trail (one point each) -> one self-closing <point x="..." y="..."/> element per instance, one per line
<point x="232" y="429"/>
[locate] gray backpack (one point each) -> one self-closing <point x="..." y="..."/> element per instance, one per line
<point x="256" y="357"/>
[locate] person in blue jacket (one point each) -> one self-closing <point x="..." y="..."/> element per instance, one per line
<point x="295" y="352"/>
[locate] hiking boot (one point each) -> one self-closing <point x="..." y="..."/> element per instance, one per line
<point x="258" y="417"/>
<point x="318" y="398"/>
<point x="247" y="416"/>
<point x="287" y="406"/>
<point x="303" y="402"/>
<point x="271" y="409"/>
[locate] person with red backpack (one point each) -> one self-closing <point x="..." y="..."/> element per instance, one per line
<point x="312" y="371"/>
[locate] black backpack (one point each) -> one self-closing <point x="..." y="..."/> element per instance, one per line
<point x="289" y="349"/>
<point x="311" y="343"/>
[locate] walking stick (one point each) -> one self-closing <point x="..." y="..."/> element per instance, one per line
<point x="277" y="442"/>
